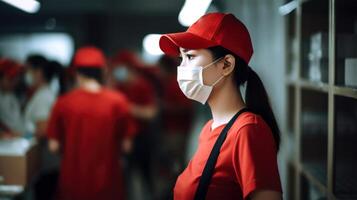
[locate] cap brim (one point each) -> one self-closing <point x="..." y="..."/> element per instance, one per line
<point x="170" y="43"/>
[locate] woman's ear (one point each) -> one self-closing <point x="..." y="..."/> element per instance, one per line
<point x="228" y="64"/>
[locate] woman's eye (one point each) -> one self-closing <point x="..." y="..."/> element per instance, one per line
<point x="189" y="56"/>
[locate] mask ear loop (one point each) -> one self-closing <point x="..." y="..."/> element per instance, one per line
<point x="212" y="63"/>
<point x="217" y="81"/>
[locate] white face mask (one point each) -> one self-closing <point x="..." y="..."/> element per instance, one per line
<point x="29" y="79"/>
<point x="121" y="73"/>
<point x="190" y="80"/>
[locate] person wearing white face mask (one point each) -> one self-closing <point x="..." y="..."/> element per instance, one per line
<point x="38" y="77"/>
<point x="190" y="79"/>
<point x="128" y="78"/>
<point x="237" y="151"/>
<point x="121" y="73"/>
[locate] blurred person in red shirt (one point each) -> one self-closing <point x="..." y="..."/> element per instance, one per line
<point x="91" y="127"/>
<point x="177" y="112"/>
<point x="11" y="122"/>
<point x="127" y="75"/>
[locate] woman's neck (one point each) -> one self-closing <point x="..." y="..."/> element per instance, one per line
<point x="225" y="103"/>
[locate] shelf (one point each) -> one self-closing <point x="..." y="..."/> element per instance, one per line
<point x="314" y="40"/>
<point x="317" y="86"/>
<point x="345" y="133"/>
<point x="306" y="1"/>
<point x="307" y="84"/>
<point x="323" y="87"/>
<point x="345" y="91"/>
<point x="346" y="38"/>
<point x="322" y="188"/>
<point x="314" y="136"/>
<point x="291" y="109"/>
<point x="321" y="108"/>
<point x="345" y="147"/>
<point x="317" y="184"/>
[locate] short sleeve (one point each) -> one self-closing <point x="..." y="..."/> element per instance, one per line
<point x="255" y="159"/>
<point x="42" y="108"/>
<point x="55" y="124"/>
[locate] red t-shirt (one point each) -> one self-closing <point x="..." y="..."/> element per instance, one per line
<point x="247" y="161"/>
<point x="139" y="91"/>
<point x="90" y="127"/>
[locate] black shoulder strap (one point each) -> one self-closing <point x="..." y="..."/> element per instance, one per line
<point x="212" y="159"/>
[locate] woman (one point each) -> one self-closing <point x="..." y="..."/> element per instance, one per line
<point x="215" y="53"/>
<point x="39" y="75"/>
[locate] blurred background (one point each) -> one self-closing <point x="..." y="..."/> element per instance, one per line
<point x="305" y="53"/>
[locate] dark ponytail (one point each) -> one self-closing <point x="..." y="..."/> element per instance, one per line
<point x="49" y="69"/>
<point x="256" y="97"/>
<point x="57" y="70"/>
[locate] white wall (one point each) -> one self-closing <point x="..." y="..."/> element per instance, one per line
<point x="56" y="46"/>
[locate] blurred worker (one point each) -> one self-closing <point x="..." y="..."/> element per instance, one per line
<point x="11" y="123"/>
<point x="177" y="113"/>
<point x="38" y="77"/>
<point x="90" y="127"/>
<point x="128" y="77"/>
<point x="40" y="73"/>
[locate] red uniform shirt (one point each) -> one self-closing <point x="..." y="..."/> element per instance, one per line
<point x="90" y="127"/>
<point x="247" y="161"/>
<point x="141" y="93"/>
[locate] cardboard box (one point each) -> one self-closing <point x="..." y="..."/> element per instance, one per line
<point x="18" y="165"/>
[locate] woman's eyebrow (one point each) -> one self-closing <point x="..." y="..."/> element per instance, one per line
<point x="185" y="50"/>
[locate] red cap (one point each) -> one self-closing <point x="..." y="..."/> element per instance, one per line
<point x="10" y="68"/>
<point x="212" y="29"/>
<point x="90" y="57"/>
<point x="127" y="58"/>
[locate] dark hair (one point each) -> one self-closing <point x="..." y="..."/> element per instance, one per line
<point x="256" y="97"/>
<point x="40" y="63"/>
<point x="90" y="72"/>
<point x="58" y="70"/>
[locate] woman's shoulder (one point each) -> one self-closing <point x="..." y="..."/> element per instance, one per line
<point x="249" y="120"/>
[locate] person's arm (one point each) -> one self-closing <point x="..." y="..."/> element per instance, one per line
<point x="127" y="145"/>
<point x="255" y="162"/>
<point x="41" y="127"/>
<point x="145" y="112"/>
<point x="126" y="125"/>
<point x="54" y="129"/>
<point x="6" y="132"/>
<point x="54" y="146"/>
<point x="265" y="195"/>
